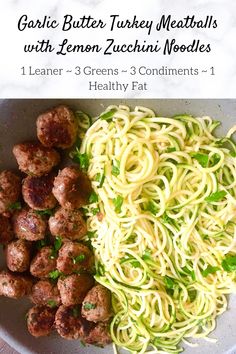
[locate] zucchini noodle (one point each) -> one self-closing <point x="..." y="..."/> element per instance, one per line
<point x="164" y="223"/>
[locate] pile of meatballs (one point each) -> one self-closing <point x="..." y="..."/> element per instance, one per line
<point x="45" y="257"/>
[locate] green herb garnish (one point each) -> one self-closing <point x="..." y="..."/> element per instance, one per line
<point x="201" y="158"/>
<point x="115" y="170"/>
<point x="169" y="282"/>
<point x="170" y="149"/>
<point x="15" y="206"/>
<point x="192" y="295"/>
<point x="94" y="211"/>
<point x="209" y="270"/>
<point x="55" y="274"/>
<point x="89" y="306"/>
<point x="49" y="212"/>
<point x="81" y="159"/>
<point x="78" y="259"/>
<point x="100" y="178"/>
<point x="57" y="243"/>
<point x="189" y="272"/>
<point x="118" y="203"/>
<point x="215" y="197"/>
<point x="151" y="206"/>
<point x="147" y="255"/>
<point x="229" y="263"/>
<point x="52" y="303"/>
<point x="108" y="115"/>
<point x="91" y="234"/>
<point x="93" y="197"/>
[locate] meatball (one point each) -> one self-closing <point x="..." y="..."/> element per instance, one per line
<point x="57" y="127"/>
<point x="68" y="224"/>
<point x="72" y="188"/>
<point x="74" y="287"/>
<point x="40" y="320"/>
<point x="10" y="188"/>
<point x="97" y="304"/>
<point x="74" y="257"/>
<point x="18" y="255"/>
<point x="6" y="232"/>
<point x="99" y="335"/>
<point x="37" y="192"/>
<point x="29" y="225"/>
<point x="70" y="324"/>
<point x="35" y="159"/>
<point x="14" y="285"/>
<point x="45" y="293"/>
<point x="43" y="263"/>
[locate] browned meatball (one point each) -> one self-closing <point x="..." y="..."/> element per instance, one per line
<point x="72" y="188"/>
<point x="6" y="232"/>
<point x="68" y="224"/>
<point x="74" y="288"/>
<point x="35" y="159"/>
<point x="57" y="127"/>
<point x="37" y="192"/>
<point x="29" y="225"/>
<point x="70" y="324"/>
<point x="40" y="320"/>
<point x="10" y="188"/>
<point x="99" y="335"/>
<point x="43" y="263"/>
<point x="45" y="293"/>
<point x="74" y="257"/>
<point x="97" y="304"/>
<point x="18" y="255"/>
<point x="14" y="285"/>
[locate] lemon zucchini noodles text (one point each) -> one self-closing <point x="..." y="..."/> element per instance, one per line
<point x="164" y="224"/>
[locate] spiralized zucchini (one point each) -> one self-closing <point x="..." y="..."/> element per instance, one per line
<point x="164" y="226"/>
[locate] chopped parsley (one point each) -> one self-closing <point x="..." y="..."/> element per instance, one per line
<point x="209" y="270"/>
<point x="201" y="158"/>
<point x="216" y="197"/>
<point x="81" y="159"/>
<point x="100" y="177"/>
<point x="49" y="212"/>
<point x="89" y="306"/>
<point x="108" y="115"/>
<point x="93" y="197"/>
<point x="229" y="263"/>
<point x="115" y="169"/>
<point x="52" y="303"/>
<point x="55" y="274"/>
<point x="15" y="206"/>
<point x="118" y="203"/>
<point x="78" y="259"/>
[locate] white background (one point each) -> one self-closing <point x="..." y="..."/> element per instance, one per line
<point x="222" y="56"/>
